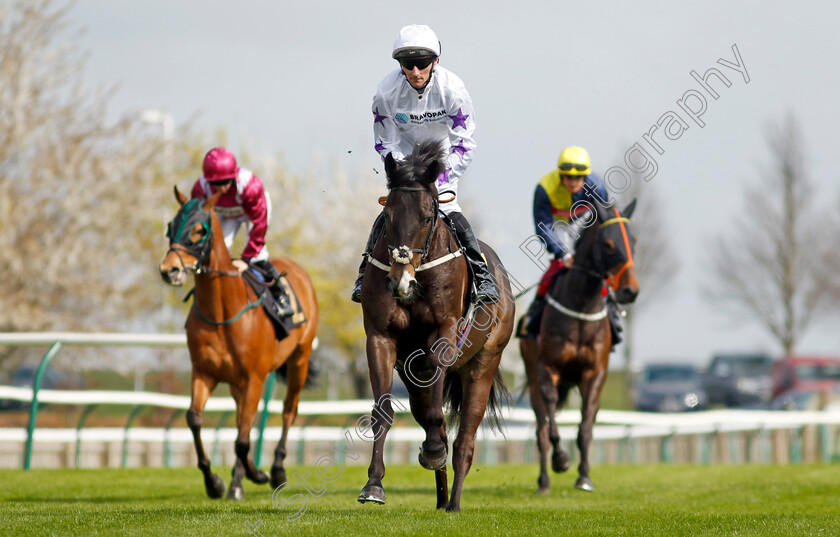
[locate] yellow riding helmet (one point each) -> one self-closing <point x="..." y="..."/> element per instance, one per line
<point x="574" y="161"/>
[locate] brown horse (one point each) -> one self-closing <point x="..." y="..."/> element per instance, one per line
<point x="573" y="348"/>
<point x="232" y="341"/>
<point x="415" y="306"/>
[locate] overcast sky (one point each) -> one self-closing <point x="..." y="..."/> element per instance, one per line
<point x="299" y="77"/>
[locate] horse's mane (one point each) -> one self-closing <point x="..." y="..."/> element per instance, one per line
<point x="413" y="169"/>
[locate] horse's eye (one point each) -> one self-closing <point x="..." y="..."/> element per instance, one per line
<point x="428" y="221"/>
<point x="609" y="246"/>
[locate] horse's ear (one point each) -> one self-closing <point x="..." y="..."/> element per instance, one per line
<point x="432" y="172"/>
<point x="390" y="165"/>
<point x="180" y="198"/>
<point x="211" y="201"/>
<point x="628" y="211"/>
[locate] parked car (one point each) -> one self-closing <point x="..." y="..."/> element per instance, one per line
<point x="669" y="387"/>
<point x="805" y="374"/>
<point x="24" y="376"/>
<point x="739" y="379"/>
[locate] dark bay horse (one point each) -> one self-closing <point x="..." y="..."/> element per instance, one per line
<point x="232" y="341"/>
<point x="573" y="348"/>
<point x="415" y="300"/>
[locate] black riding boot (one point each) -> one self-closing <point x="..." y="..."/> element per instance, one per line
<point x="284" y="305"/>
<point x="375" y="231"/>
<point x="485" y="284"/>
<point x="614" y="313"/>
<point x="529" y="324"/>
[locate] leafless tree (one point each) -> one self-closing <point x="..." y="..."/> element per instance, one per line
<point x="828" y="265"/>
<point x="765" y="267"/>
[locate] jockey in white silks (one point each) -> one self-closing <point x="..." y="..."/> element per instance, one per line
<point x="422" y="101"/>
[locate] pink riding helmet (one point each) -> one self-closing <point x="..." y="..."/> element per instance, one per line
<point x="220" y="165"/>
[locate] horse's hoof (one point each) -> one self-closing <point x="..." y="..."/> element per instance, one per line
<point x="453" y="508"/>
<point x="372" y="493"/>
<point x="560" y="462"/>
<point x="278" y="476"/>
<point x="259" y="477"/>
<point x="236" y="493"/>
<point x="584" y="483"/>
<point x="543" y="491"/>
<point x="215" y="487"/>
<point x="432" y="460"/>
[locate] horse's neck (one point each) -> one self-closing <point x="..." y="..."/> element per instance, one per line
<point x="213" y="288"/>
<point x="443" y="243"/>
<point x="580" y="288"/>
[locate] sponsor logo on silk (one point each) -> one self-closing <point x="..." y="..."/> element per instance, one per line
<point x="419" y="119"/>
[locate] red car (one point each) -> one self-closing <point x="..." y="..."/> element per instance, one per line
<point x="805" y="373"/>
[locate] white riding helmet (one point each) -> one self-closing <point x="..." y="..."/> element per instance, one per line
<point x="416" y="40"/>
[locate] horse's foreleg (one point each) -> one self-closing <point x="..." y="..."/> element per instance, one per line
<point x="247" y="401"/>
<point x="201" y="389"/>
<point x="296" y="370"/>
<point x="382" y="355"/>
<point x="433" y="451"/>
<point x="419" y="400"/>
<point x="544" y="402"/>
<point x="560" y="461"/>
<point x="476" y="392"/>
<point x="590" y="391"/>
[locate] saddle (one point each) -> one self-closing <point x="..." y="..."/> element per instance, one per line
<point x="282" y="326"/>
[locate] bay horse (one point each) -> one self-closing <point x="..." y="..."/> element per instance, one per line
<point x="573" y="348"/>
<point x="415" y="305"/>
<point x="230" y="340"/>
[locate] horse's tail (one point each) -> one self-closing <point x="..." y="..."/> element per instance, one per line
<point x="453" y="396"/>
<point x="312" y="373"/>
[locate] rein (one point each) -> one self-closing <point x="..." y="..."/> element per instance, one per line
<point x="250" y="305"/>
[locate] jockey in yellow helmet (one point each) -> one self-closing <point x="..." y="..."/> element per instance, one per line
<point x="556" y="198"/>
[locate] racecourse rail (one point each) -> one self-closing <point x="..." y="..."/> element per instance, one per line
<point x="746" y="430"/>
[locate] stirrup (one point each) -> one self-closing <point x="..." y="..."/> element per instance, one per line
<point x="356" y="295"/>
<point x="486" y="293"/>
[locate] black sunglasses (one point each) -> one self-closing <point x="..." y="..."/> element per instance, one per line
<point x="566" y="166"/>
<point x="222" y="182"/>
<point x="421" y="63"/>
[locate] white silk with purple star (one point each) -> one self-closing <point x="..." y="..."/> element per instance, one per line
<point x="403" y="117"/>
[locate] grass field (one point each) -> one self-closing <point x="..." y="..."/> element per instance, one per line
<point x="498" y="500"/>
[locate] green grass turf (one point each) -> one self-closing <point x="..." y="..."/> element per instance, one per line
<point x="497" y="500"/>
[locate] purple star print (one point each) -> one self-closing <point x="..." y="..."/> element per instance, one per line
<point x="379" y="119"/>
<point x="443" y="178"/>
<point x="459" y="119"/>
<point x="379" y="146"/>
<point x="460" y="149"/>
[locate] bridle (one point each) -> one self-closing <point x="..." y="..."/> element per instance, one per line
<point x="601" y="271"/>
<point x="402" y="254"/>
<point x="186" y="218"/>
